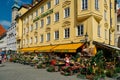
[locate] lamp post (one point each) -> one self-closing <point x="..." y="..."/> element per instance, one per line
<point x="110" y="22"/>
<point x="86" y="37"/>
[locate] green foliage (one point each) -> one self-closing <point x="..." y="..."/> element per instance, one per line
<point x="50" y="69"/>
<point x="66" y="74"/>
<point x="117" y="69"/>
<point x="111" y="73"/>
<point x="39" y="66"/>
<point x="98" y="58"/>
<point x="89" y="70"/>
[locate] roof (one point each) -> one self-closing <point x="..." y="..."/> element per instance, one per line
<point x="106" y="46"/>
<point x="2" y="30"/>
<point x="32" y="7"/>
<point x="15" y="6"/>
<point x="118" y="12"/>
<point x="26" y="6"/>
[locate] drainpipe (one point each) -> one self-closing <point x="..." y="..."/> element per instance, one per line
<point x="110" y="23"/>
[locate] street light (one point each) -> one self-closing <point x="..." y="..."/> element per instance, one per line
<point x="87" y="42"/>
<point x="86" y="37"/>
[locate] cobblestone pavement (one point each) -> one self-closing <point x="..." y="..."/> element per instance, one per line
<point x="15" y="71"/>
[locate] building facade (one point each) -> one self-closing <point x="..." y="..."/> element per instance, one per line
<point x="11" y="32"/>
<point x="117" y="31"/>
<point x="56" y="22"/>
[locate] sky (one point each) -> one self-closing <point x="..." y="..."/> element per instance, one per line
<point x="6" y="10"/>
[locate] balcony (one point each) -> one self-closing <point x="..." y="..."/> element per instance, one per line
<point x="83" y="15"/>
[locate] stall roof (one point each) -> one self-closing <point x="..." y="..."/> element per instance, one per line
<point x="105" y="45"/>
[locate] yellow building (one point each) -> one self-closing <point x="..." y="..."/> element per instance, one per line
<point x="65" y="22"/>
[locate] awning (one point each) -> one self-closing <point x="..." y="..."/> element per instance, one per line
<point x="67" y="47"/>
<point x="106" y="46"/>
<point x="31" y="49"/>
<point x="45" y="48"/>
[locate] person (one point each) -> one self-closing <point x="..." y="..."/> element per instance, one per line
<point x="53" y="61"/>
<point x="35" y="57"/>
<point x="0" y="59"/>
<point x="67" y="60"/>
<point x="5" y="57"/>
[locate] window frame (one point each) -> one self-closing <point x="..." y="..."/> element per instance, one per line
<point x="41" y="38"/>
<point x="56" y="35"/>
<point x="56" y="2"/>
<point x="67" y="12"/>
<point x="66" y="33"/>
<point x="48" y="37"/>
<point x="56" y="19"/>
<point x="41" y="9"/>
<point x="80" y="30"/>
<point x="96" y="4"/>
<point x="48" y="20"/>
<point x="48" y="5"/>
<point x="84" y="4"/>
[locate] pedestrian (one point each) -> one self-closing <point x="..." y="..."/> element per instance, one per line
<point x="0" y="59"/>
<point x="5" y="57"/>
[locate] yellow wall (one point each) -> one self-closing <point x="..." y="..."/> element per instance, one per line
<point x="90" y="18"/>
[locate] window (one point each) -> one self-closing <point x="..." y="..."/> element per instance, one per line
<point x="35" y="39"/>
<point x="80" y="30"/>
<point x="84" y="4"/>
<point x="105" y="34"/>
<point x="67" y="33"/>
<point x="98" y="31"/>
<point x="42" y="23"/>
<point x="56" y="16"/>
<point x="31" y="40"/>
<point x="36" y="12"/>
<point x="48" y="36"/>
<point x="56" y="35"/>
<point x="27" y="41"/>
<point x="36" y="25"/>
<point x="42" y="9"/>
<point x="105" y="15"/>
<point x="48" y="5"/>
<point x="56" y="2"/>
<point x="48" y="20"/>
<point x="96" y="4"/>
<point x="31" y="28"/>
<point x="27" y="29"/>
<point x="30" y="17"/>
<point x="66" y="12"/>
<point x="117" y="27"/>
<point x="24" y="31"/>
<point x="23" y="42"/>
<point x="26" y="20"/>
<point x="41" y="38"/>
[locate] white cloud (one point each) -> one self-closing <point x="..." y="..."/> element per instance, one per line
<point x="5" y="23"/>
